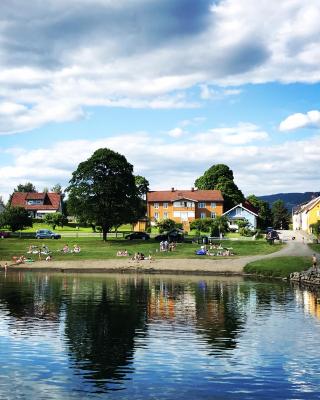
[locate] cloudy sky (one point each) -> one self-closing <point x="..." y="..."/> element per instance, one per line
<point x="174" y="85"/>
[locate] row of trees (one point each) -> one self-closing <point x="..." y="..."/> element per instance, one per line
<point x="220" y="177"/>
<point x="103" y="191"/>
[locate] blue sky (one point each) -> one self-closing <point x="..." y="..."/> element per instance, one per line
<point x="175" y="86"/>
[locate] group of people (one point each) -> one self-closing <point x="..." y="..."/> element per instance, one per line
<point x="66" y="249"/>
<point x="225" y="252"/>
<point x="140" y="256"/>
<point x="166" y="246"/>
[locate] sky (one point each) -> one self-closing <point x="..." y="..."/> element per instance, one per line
<point x="174" y="85"/>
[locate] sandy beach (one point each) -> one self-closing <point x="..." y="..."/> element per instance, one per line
<point x="207" y="266"/>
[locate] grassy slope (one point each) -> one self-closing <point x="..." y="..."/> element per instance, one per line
<point x="278" y="266"/>
<point x="95" y="248"/>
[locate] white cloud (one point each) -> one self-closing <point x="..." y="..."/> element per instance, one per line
<point x="296" y="121"/>
<point x="146" y="54"/>
<point x="258" y="169"/>
<point x="176" y="132"/>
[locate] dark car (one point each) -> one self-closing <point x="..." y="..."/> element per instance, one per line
<point x="4" y="234"/>
<point x="137" y="235"/>
<point x="172" y="236"/>
<point x="272" y="235"/>
<point x="47" y="234"/>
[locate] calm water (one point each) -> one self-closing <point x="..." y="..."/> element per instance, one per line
<point x="156" y="337"/>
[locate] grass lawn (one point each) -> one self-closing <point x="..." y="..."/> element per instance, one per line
<point x="315" y="247"/>
<point x="70" y="228"/>
<point x="95" y="248"/>
<point x="278" y="266"/>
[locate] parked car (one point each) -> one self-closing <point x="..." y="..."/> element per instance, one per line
<point x="137" y="235"/>
<point x="272" y="235"/>
<point x="47" y="234"/>
<point x="172" y="236"/>
<point x="4" y="234"/>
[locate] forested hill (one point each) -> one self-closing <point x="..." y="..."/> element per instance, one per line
<point x="290" y="199"/>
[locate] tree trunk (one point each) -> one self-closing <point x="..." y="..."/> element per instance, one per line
<point x="104" y="234"/>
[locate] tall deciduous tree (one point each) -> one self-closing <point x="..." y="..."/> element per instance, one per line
<point x="280" y="215"/>
<point x="103" y="191"/>
<point x="17" y="218"/>
<point x="26" y="188"/>
<point x="57" y="188"/>
<point x="142" y="185"/>
<point x="220" y="177"/>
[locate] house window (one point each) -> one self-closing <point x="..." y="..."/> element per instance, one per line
<point x="238" y="211"/>
<point x="318" y="212"/>
<point x="165" y="205"/>
<point x="202" y="205"/>
<point x="203" y="215"/>
<point x="156" y="205"/>
<point x="213" y="205"/>
<point x="213" y="215"/>
<point x="156" y="215"/>
<point x="165" y="215"/>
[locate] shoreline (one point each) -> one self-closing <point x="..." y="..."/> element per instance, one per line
<point x="227" y="266"/>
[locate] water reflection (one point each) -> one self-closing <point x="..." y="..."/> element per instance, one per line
<point x="116" y="333"/>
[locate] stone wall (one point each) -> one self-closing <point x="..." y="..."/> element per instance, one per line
<point x="309" y="277"/>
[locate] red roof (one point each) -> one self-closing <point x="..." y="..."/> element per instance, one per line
<point x="51" y="200"/>
<point x="196" y="195"/>
<point x="246" y="204"/>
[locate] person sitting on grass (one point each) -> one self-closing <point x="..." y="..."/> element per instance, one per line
<point x="76" y="248"/>
<point x="18" y="260"/>
<point x="122" y="253"/>
<point x="65" y="249"/>
<point x="49" y="257"/>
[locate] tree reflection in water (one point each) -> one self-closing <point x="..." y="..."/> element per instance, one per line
<point x="103" y="316"/>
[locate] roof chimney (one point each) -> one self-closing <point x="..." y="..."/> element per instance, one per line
<point x="172" y="189"/>
<point x="192" y="189"/>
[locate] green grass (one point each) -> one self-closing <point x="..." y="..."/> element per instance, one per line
<point x="278" y="267"/>
<point x="315" y="247"/>
<point x="95" y="248"/>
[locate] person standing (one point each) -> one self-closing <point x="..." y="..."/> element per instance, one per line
<point x="314" y="262"/>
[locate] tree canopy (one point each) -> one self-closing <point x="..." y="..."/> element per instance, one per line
<point x="264" y="211"/>
<point x="56" y="188"/>
<point x="220" y="177"/>
<point x="26" y="187"/>
<point x="17" y="218"/>
<point x="142" y="185"/>
<point x="103" y="191"/>
<point x="56" y="219"/>
<point x="280" y="215"/>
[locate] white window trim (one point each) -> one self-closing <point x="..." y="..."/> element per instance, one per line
<point x="202" y="205"/>
<point x="165" y="205"/>
<point x="213" y="205"/>
<point x="202" y="215"/>
<point x="156" y="205"/>
<point x="213" y="215"/>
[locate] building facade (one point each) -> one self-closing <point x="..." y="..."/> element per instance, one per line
<point x="37" y="204"/>
<point x="306" y="214"/>
<point x="242" y="211"/>
<point x="184" y="205"/>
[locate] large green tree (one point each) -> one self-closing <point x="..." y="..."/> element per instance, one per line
<point x="26" y="188"/>
<point x="264" y="211"/>
<point x="220" y="177"/>
<point x="280" y="215"/>
<point x="103" y="191"/>
<point x="17" y="218"/>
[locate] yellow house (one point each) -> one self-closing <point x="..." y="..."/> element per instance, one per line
<point x="184" y="205"/>
<point x="306" y="215"/>
<point x="313" y="213"/>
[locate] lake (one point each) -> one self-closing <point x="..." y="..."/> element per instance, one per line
<point x="81" y="336"/>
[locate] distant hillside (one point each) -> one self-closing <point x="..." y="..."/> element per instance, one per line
<point x="290" y="199"/>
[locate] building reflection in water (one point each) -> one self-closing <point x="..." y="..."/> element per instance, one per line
<point x="103" y="316"/>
